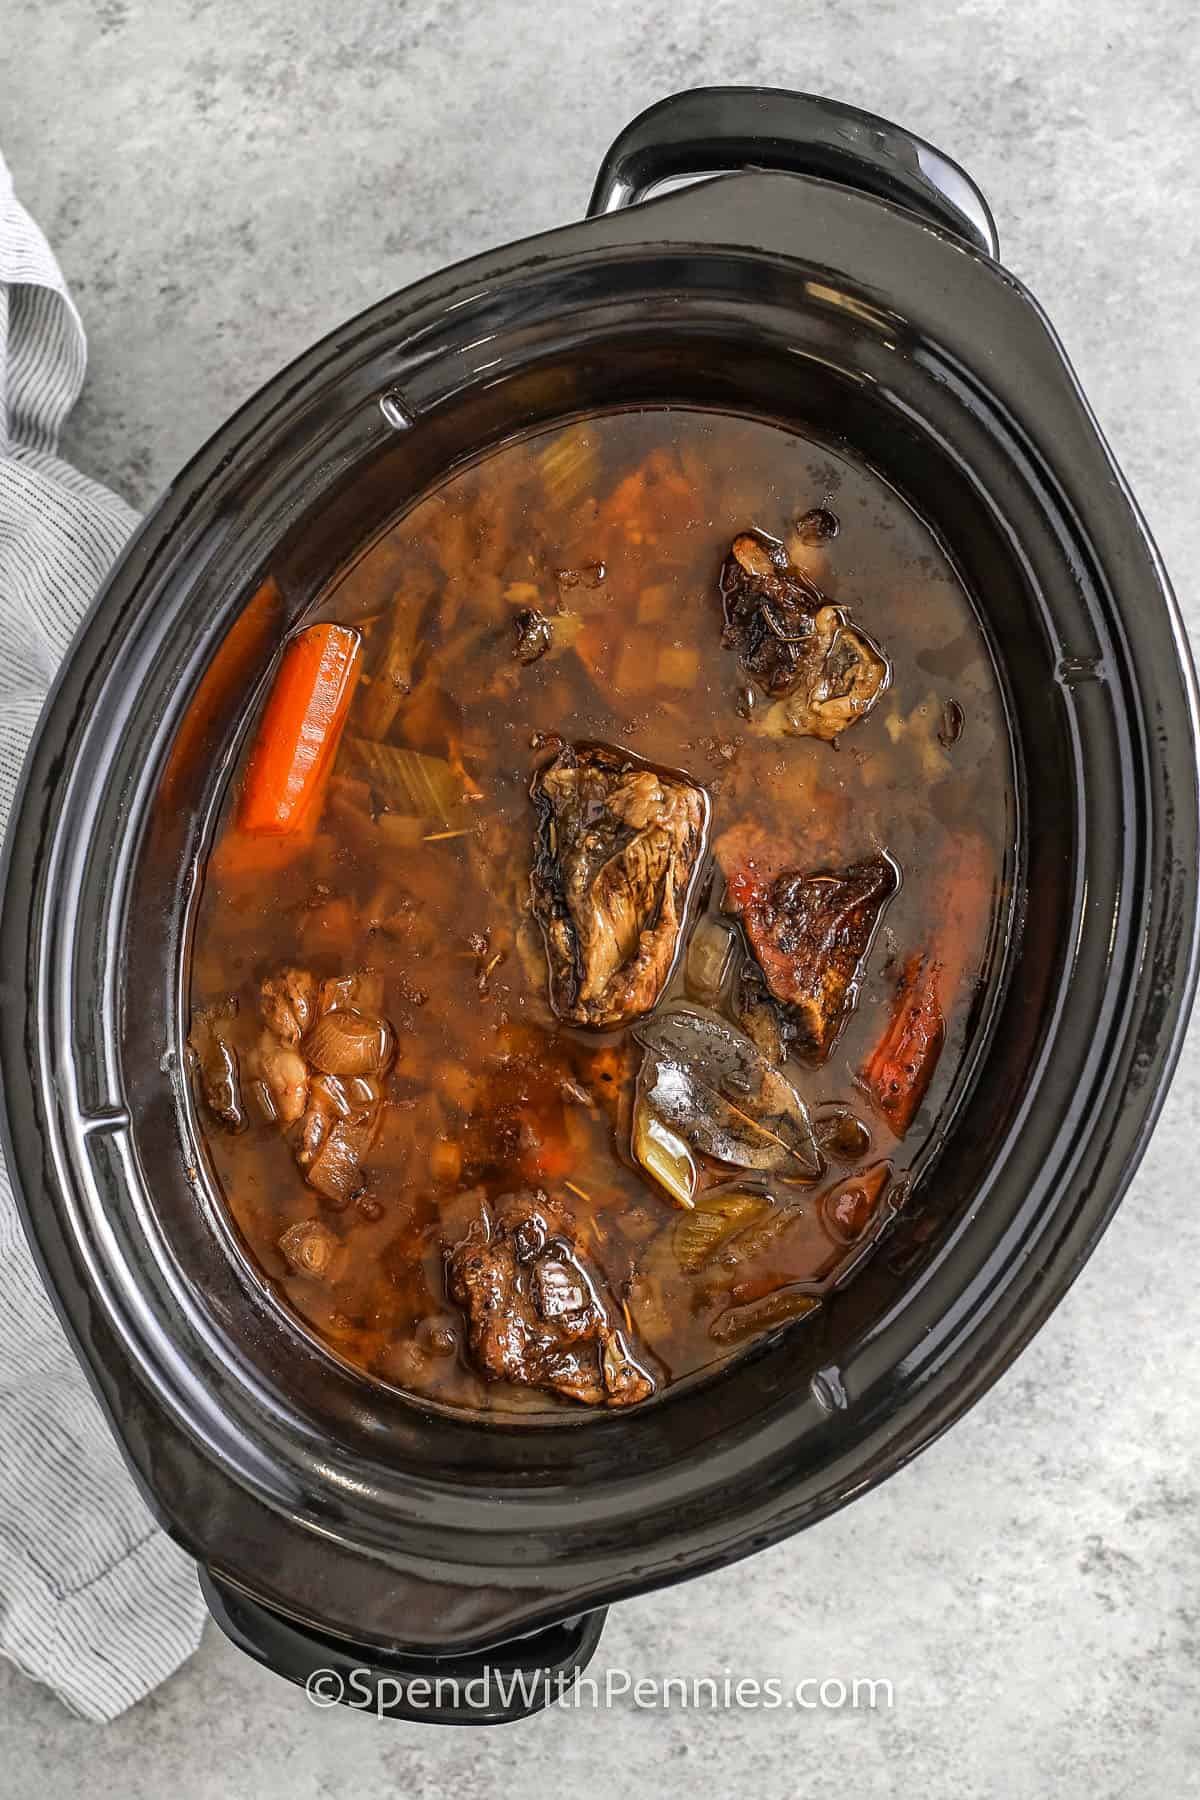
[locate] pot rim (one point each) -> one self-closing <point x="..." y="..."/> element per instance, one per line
<point x="45" y="1104"/>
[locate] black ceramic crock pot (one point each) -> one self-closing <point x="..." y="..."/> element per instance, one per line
<point x="835" y="273"/>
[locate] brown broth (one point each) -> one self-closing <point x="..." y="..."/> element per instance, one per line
<point x="647" y="672"/>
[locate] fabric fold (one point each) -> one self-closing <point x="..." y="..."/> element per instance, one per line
<point x="95" y="1600"/>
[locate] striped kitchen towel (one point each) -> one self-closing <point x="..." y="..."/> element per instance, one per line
<point x="94" y="1599"/>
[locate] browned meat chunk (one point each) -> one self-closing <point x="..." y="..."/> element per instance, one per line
<point x="769" y="611"/>
<point x="535" y="1313"/>
<point x="619" y="844"/>
<point x="285" y="1076"/>
<point x="216" y="1062"/>
<point x="823" y="671"/>
<point x="288" y="1004"/>
<point x="809" y="934"/>
<point x="844" y="675"/>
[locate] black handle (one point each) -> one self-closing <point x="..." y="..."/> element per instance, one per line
<point x="712" y="131"/>
<point x="492" y="1687"/>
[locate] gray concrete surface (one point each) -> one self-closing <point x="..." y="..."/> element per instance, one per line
<point x="226" y="181"/>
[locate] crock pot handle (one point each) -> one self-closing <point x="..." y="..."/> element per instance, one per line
<point x="490" y="1687"/>
<point x="713" y="131"/>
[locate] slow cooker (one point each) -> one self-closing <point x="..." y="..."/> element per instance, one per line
<point x="828" y="270"/>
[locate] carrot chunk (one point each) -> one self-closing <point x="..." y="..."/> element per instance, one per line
<point x="900" y="1068"/>
<point x="298" y="736"/>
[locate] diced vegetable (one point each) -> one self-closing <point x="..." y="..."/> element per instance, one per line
<point x="841" y="1133"/>
<point x="900" y="1068"/>
<point x="350" y="1043"/>
<point x="362" y="989"/>
<point x="569" y="467"/>
<point x="923" y="730"/>
<point x="714" y="1218"/>
<point x="445" y="1161"/>
<point x="330" y="929"/>
<point x="549" y="1154"/>
<point x="679" y="666"/>
<point x="709" y="956"/>
<point x="763" y="1233"/>
<point x="260" y="1093"/>
<point x="655" y="603"/>
<point x="740" y="1322"/>
<point x="336" y="1170"/>
<point x="309" y="1247"/>
<point x="636" y="670"/>
<point x="399" y="832"/>
<point x="416" y="786"/>
<point x="392" y="677"/>
<point x="458" y="1085"/>
<point x="848" y="1210"/>
<point x="298" y="736"/>
<point x="664" y="1154"/>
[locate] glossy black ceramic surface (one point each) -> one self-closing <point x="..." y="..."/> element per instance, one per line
<point x="344" y="1510"/>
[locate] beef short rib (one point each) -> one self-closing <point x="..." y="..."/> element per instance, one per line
<point x="535" y="1313"/>
<point x="619" y="843"/>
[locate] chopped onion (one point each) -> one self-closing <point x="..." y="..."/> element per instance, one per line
<point x="569" y="467"/>
<point x="740" y="1322"/>
<point x="664" y="1155"/>
<point x="709" y="956"/>
<point x="350" y="1043"/>
<point x="309" y="1247"/>
<point x="715" y="1218"/>
<point x="414" y="785"/>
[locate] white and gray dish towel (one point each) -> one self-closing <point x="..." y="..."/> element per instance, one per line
<point x="95" y="1600"/>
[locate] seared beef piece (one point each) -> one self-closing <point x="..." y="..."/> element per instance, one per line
<point x="824" y="672"/>
<point x="844" y="674"/>
<point x="809" y="934"/>
<point x="618" y="846"/>
<point x="535" y="1314"/>
<point x="321" y="1059"/>
<point x="288" y="1004"/>
<point x="769" y="611"/>
<point x="215" y="1060"/>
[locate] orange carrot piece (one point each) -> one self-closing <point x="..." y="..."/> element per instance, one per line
<point x="900" y="1068"/>
<point x="550" y="1160"/>
<point x="300" y="729"/>
<point x="898" y="1071"/>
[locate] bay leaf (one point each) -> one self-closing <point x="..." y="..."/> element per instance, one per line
<point x="712" y="1086"/>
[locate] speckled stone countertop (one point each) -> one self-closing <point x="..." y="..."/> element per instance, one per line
<point x="224" y="183"/>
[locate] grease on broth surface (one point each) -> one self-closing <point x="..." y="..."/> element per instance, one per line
<point x="454" y="1203"/>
